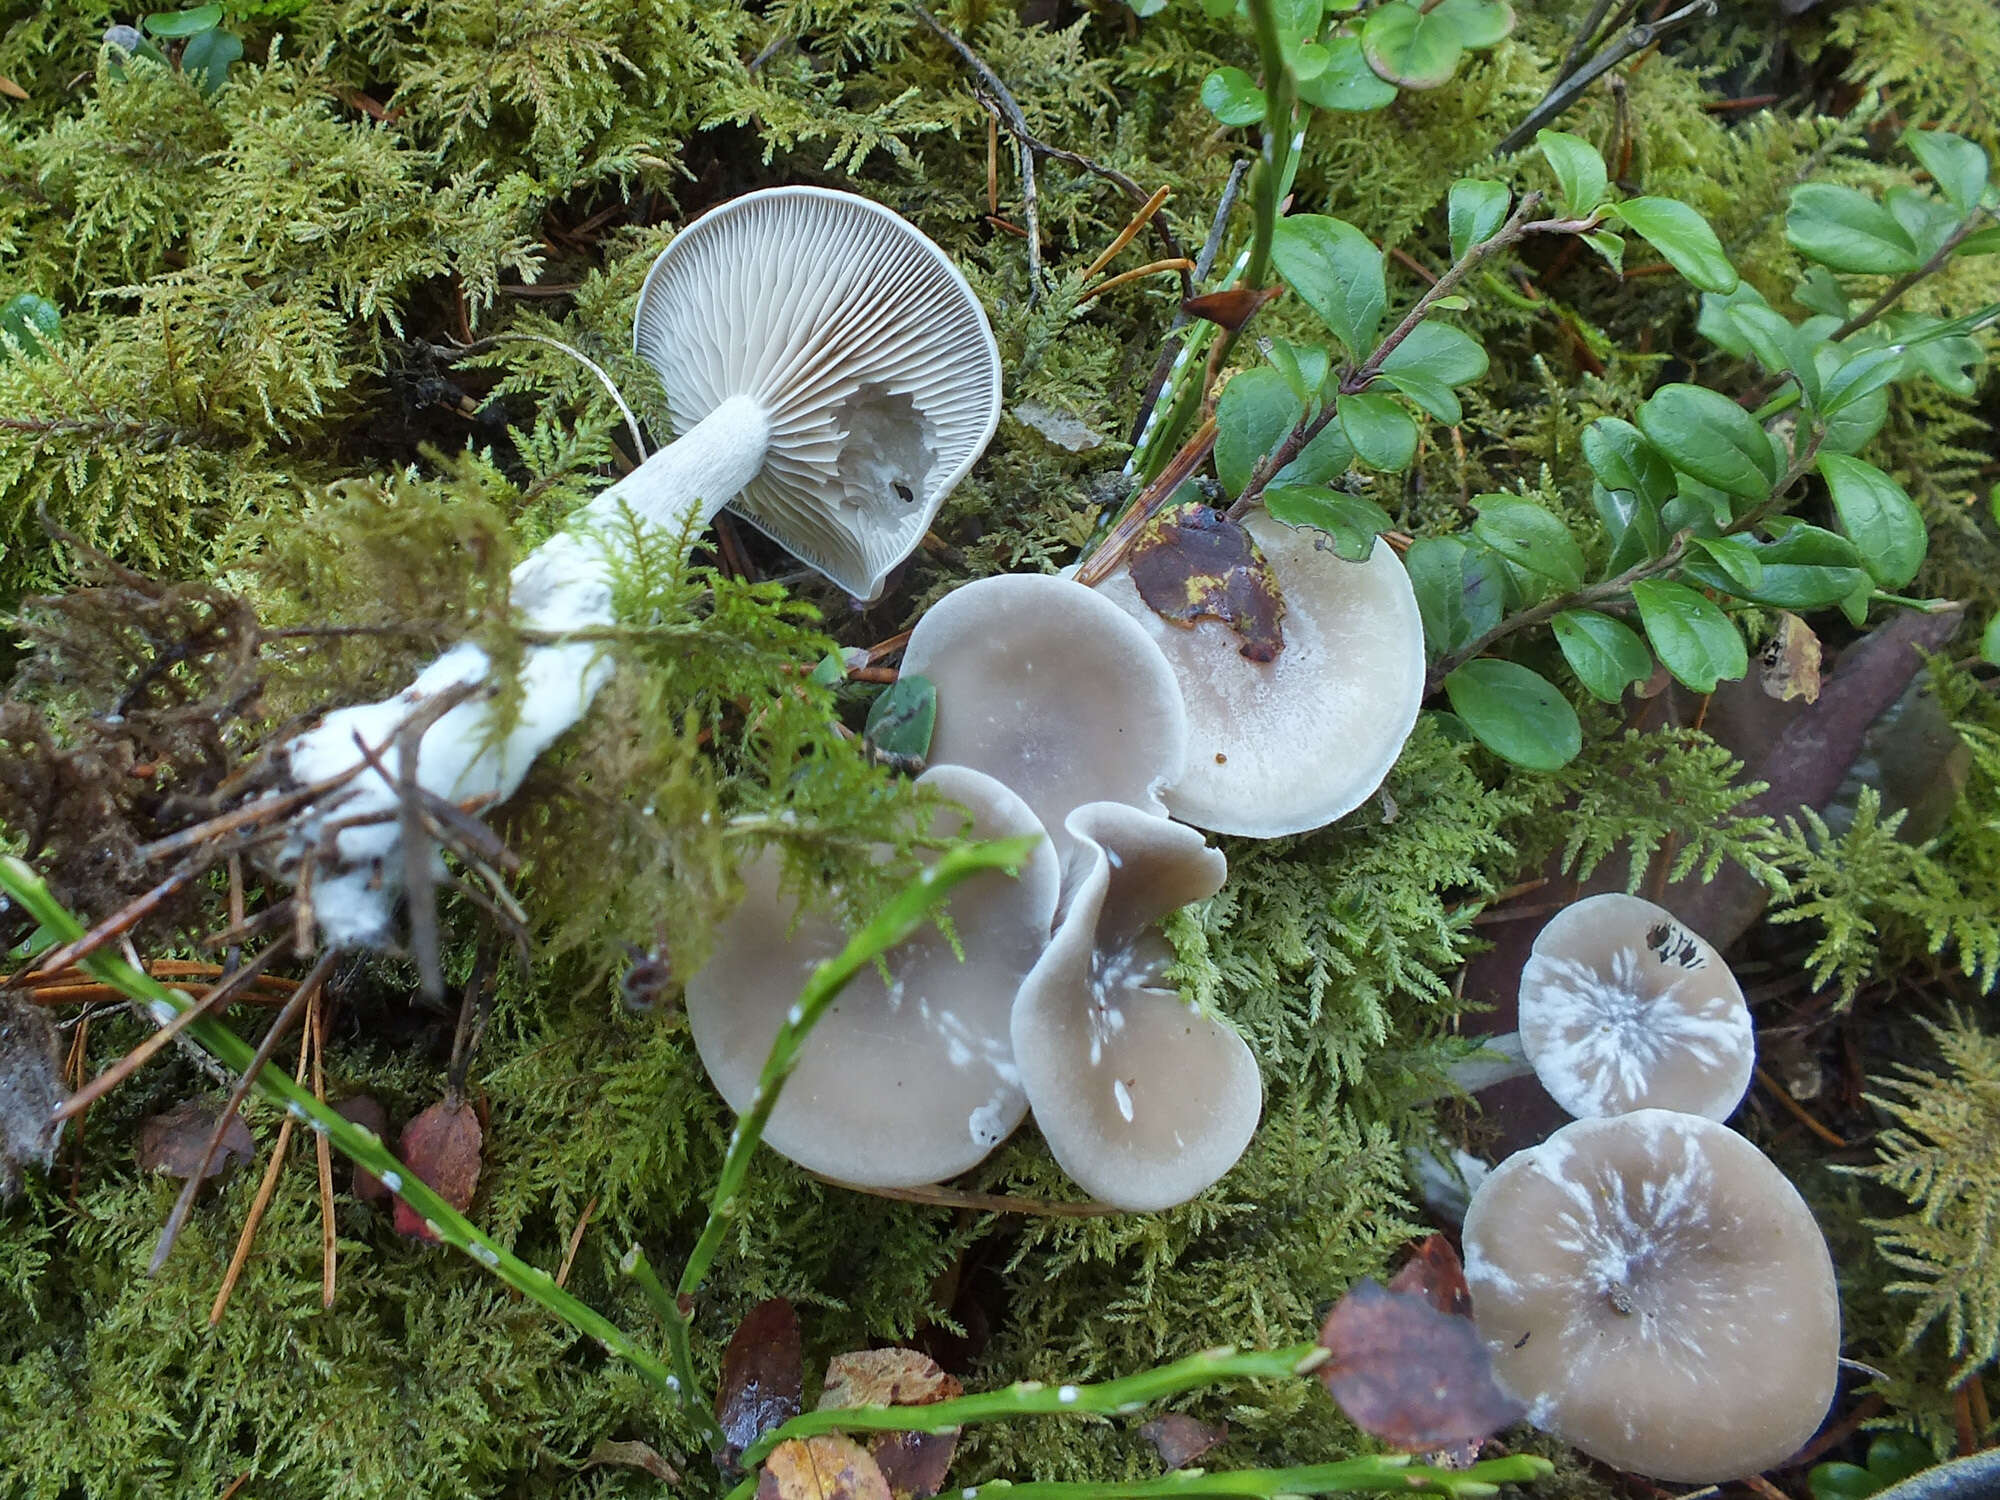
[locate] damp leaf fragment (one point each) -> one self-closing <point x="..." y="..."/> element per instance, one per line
<point x="1192" y="563"/>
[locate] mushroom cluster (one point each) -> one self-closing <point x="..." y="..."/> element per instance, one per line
<point x="1649" y="1284"/>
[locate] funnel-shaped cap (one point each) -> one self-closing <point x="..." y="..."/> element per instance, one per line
<point x="870" y="355"/>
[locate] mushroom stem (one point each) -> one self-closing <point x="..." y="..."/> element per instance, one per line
<point x="476" y="752"/>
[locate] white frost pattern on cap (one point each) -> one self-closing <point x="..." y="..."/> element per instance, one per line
<point x="864" y="345"/>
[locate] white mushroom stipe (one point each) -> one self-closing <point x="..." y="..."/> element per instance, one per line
<point x="1290" y="745"/>
<point x="1623" y="1008"/>
<point x="1658" y="1294"/>
<point x="826" y="367"/>
<point x="1143" y="1100"/>
<point x="901" y="1083"/>
<point x="1044" y="685"/>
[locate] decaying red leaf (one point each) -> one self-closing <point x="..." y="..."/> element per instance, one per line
<point x="1230" y="309"/>
<point x="1180" y="1439"/>
<point x="633" y="1455"/>
<point x="174" y="1140"/>
<point x="441" y="1146"/>
<point x="1191" y="563"/>
<point x="913" y="1464"/>
<point x="763" y="1374"/>
<point x="1416" y="1378"/>
<point x="821" y="1468"/>
<point x="369" y="1115"/>
<point x="1435" y="1273"/>
<point x="31" y="1087"/>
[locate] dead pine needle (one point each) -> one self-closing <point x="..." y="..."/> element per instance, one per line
<point x="575" y="1241"/>
<point x="1130" y="232"/>
<point x="1125" y="277"/>
<point x="265" y="1189"/>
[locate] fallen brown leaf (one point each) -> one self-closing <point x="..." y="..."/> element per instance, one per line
<point x="30" y="1088"/>
<point x="763" y="1374"/>
<point x="368" y="1113"/>
<point x="632" y="1456"/>
<point x="1191" y="563"/>
<point x="1230" y="309"/>
<point x="1435" y="1273"/>
<point x="1180" y="1439"/>
<point x="174" y="1140"/>
<point x="1417" y="1378"/>
<point x="442" y="1147"/>
<point x="913" y="1463"/>
<point x="1788" y="666"/>
<point x="821" y="1468"/>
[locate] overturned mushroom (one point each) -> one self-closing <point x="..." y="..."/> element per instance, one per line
<point x="1046" y="686"/>
<point x="903" y="1083"/>
<point x="827" y="368"/>
<point x="1143" y="1099"/>
<point x="1658" y="1293"/>
<point x="1623" y="1008"/>
<point x="1291" y="744"/>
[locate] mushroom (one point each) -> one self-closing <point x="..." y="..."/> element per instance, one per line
<point x="1623" y="1008"/>
<point x="827" y="368"/>
<point x="1143" y="1098"/>
<point x="1045" y="685"/>
<point x="900" y="1083"/>
<point x="1658" y="1293"/>
<point x="1291" y="744"/>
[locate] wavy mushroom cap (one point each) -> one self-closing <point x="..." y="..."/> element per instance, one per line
<point x="1291" y="744"/>
<point x="866" y="349"/>
<point x="901" y="1083"/>
<point x="1046" y="686"/>
<point x="1143" y="1099"/>
<point x="1658" y="1293"/>
<point x="1623" y="1008"/>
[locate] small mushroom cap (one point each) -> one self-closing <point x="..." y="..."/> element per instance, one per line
<point x="862" y="342"/>
<point x="900" y="1084"/>
<point x="1291" y="744"/>
<point x="1658" y="1293"/>
<point x="1143" y="1099"/>
<point x="1623" y="1008"/>
<point x="1045" y="685"/>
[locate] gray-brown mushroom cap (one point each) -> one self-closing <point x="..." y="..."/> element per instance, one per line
<point x="899" y="1084"/>
<point x="1048" y="687"/>
<point x="1143" y="1099"/>
<point x="1624" y="1008"/>
<point x="1292" y="744"/>
<point x="1658" y="1293"/>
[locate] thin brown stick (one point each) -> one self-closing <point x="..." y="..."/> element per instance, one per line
<point x="1798" y="1110"/>
<point x="294" y="1008"/>
<point x="128" y="916"/>
<point x="1125" y="530"/>
<point x="992" y="177"/>
<point x="575" y="1241"/>
<point x="987" y="1203"/>
<point x="1130" y="232"/>
<point x="137" y="1058"/>
<point x="263" y="810"/>
<point x="265" y="1189"/>
<point x="1124" y="278"/>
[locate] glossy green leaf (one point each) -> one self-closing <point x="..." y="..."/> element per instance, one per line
<point x="1478" y="24"/>
<point x="1232" y="96"/>
<point x="173" y="23"/>
<point x="1820" y="292"/>
<point x="1989" y="645"/>
<point x="1325" y="458"/>
<point x="1440" y="351"/>
<point x="1579" y="167"/>
<point x="1515" y="713"/>
<point x="1307" y="60"/>
<point x="1735" y="558"/>
<point x="1878" y="517"/>
<point x="1704" y="433"/>
<point x="207" y="57"/>
<point x="1337" y="272"/>
<point x="1684" y="238"/>
<point x="1956" y="165"/>
<point x="1529" y="537"/>
<point x="1780" y="348"/>
<point x="1384" y="436"/>
<point x="1460" y="591"/>
<point x="1475" y="209"/>
<point x="1927" y="221"/>
<point x="1606" y="654"/>
<point x="1696" y="507"/>
<point x="902" y="718"/>
<point x="1807" y="568"/>
<point x="1351" y="522"/>
<point x="1694" y="639"/>
<point x="1622" y="458"/>
<point x="1848" y="231"/>
<point x="1631" y="524"/>
<point x="1252" y="417"/>
<point x="1347" y="82"/>
<point x="1859" y="377"/>
<point x="1410" y="48"/>
<point x="1608" y="247"/>
<point x="1980" y="242"/>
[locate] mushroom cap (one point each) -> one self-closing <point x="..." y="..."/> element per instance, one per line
<point x="1047" y="686"/>
<point x="863" y="343"/>
<point x="1658" y="1293"/>
<point x="1291" y="744"/>
<point x="1143" y="1099"/>
<point x="1623" y="1008"/>
<point x="900" y="1084"/>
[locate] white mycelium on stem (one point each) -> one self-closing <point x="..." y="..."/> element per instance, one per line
<point x="830" y="373"/>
